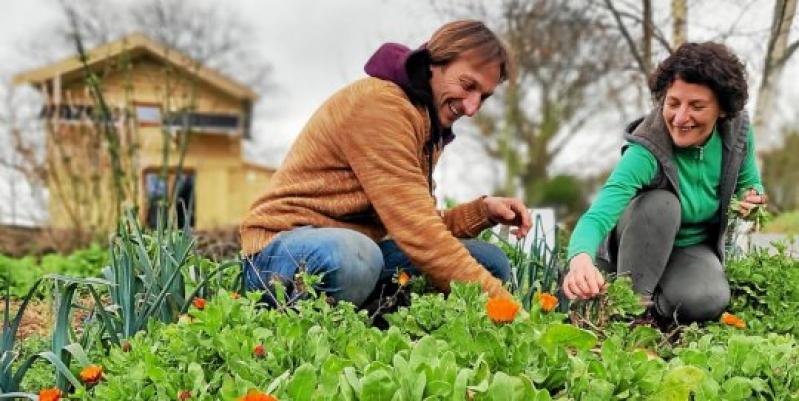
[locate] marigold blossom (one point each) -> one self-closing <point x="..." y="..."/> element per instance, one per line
<point x="502" y="310"/>
<point x="199" y="303"/>
<point x="731" y="320"/>
<point x="235" y="295"/>
<point x="91" y="374"/>
<point x="259" y="351"/>
<point x="547" y="301"/>
<point x="255" y="395"/>
<point x="403" y="278"/>
<point x="49" y="394"/>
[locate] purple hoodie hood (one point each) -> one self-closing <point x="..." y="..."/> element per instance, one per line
<point x="388" y="63"/>
<point x="391" y="62"/>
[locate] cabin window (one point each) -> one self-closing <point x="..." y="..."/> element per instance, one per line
<point x="202" y="121"/>
<point x="148" y="114"/>
<point x="77" y="113"/>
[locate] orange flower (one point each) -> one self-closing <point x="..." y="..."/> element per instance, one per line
<point x="502" y="310"/>
<point x="255" y="395"/>
<point x="91" y="374"/>
<point x="184" y="395"/>
<point x="49" y="394"/>
<point x="199" y="303"/>
<point x="259" y="351"/>
<point x="547" y="301"/>
<point x="403" y="278"/>
<point x="235" y="295"/>
<point x="731" y="320"/>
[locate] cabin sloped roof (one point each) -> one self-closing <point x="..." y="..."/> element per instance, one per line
<point x="136" y="44"/>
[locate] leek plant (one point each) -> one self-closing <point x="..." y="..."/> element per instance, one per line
<point x="535" y="266"/>
<point x="10" y="379"/>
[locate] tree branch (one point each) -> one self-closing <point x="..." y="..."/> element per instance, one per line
<point x="789" y="51"/>
<point x="627" y="37"/>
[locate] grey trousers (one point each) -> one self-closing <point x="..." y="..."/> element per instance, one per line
<point x="687" y="284"/>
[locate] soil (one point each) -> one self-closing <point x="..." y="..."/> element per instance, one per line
<point x="39" y="317"/>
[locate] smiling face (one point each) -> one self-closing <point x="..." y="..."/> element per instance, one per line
<point x="461" y="86"/>
<point x="690" y="112"/>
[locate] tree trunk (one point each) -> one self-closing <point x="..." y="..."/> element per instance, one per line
<point x="678" y="13"/>
<point x="777" y="54"/>
<point x="647" y="45"/>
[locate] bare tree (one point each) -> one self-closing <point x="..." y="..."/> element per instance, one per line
<point x="679" y="11"/>
<point x="564" y="54"/>
<point x="22" y="157"/>
<point x="214" y="36"/>
<point x="628" y="16"/>
<point x="781" y="172"/>
<point x="778" y="52"/>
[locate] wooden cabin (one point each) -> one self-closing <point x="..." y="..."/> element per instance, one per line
<point x="156" y="99"/>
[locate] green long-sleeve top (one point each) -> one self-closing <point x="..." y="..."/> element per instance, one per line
<point x="699" y="174"/>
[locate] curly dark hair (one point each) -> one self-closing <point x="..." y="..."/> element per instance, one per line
<point x="711" y="64"/>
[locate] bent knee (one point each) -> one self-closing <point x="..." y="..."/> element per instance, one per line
<point x="694" y="306"/>
<point x="337" y="248"/>
<point x="659" y="205"/>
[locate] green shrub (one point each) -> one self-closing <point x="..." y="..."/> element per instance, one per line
<point x="785" y="223"/>
<point x="20" y="273"/>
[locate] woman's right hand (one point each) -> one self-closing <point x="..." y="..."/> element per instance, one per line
<point x="583" y="280"/>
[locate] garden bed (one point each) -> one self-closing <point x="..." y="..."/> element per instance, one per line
<point x="204" y="341"/>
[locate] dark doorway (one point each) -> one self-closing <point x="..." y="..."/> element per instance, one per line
<point x="158" y="190"/>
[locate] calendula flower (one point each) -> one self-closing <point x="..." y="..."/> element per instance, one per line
<point x="255" y="395"/>
<point x="49" y="394"/>
<point x="184" y="395"/>
<point x="547" y="301"/>
<point x="199" y="303"/>
<point x="502" y="310"/>
<point x="403" y="278"/>
<point x="731" y="320"/>
<point x="91" y="374"/>
<point x="259" y="351"/>
<point x="235" y="295"/>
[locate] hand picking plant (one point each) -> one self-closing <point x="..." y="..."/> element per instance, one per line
<point x="618" y="302"/>
<point x="758" y="215"/>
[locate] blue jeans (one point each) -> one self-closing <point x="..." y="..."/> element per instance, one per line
<point x="350" y="263"/>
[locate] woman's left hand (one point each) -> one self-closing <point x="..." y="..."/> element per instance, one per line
<point x="750" y="201"/>
<point x="509" y="211"/>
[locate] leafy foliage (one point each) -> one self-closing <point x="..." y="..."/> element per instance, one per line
<point x="765" y="292"/>
<point x="438" y="348"/>
<point x="19" y="274"/>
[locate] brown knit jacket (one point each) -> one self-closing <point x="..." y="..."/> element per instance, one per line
<point x="360" y="163"/>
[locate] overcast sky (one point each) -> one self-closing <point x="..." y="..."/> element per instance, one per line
<point x="317" y="46"/>
<point x="314" y="47"/>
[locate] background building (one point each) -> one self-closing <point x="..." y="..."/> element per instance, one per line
<point x="158" y="99"/>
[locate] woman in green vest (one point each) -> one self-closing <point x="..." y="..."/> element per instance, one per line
<point x="661" y="216"/>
